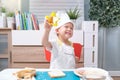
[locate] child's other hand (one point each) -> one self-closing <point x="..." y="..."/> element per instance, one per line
<point x="47" y="26"/>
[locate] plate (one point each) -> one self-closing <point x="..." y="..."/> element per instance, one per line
<point x="89" y="71"/>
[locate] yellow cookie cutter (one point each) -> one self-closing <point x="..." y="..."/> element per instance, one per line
<point x="52" y="19"/>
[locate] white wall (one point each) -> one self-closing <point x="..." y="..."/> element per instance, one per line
<point x="11" y="5"/>
<point x="44" y="7"/>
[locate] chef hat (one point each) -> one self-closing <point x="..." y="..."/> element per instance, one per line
<point x="63" y="19"/>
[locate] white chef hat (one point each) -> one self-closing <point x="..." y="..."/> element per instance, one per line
<point x="63" y="19"/>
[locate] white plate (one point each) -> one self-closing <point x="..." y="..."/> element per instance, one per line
<point x="87" y="71"/>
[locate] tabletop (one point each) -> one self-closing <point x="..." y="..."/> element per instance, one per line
<point x="7" y="74"/>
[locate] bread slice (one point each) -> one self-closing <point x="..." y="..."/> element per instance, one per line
<point x="56" y="73"/>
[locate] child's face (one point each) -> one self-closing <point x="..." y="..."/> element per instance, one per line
<point x="65" y="31"/>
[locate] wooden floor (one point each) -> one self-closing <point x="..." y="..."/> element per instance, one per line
<point x="116" y="78"/>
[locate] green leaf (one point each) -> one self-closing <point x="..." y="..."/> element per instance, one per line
<point x="73" y="13"/>
<point x="107" y="12"/>
<point x="3" y="9"/>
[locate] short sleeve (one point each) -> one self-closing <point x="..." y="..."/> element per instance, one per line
<point x="54" y="45"/>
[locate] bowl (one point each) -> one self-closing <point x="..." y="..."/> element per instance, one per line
<point x="94" y="77"/>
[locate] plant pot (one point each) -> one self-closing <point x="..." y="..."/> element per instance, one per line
<point x="74" y="22"/>
<point x="10" y="22"/>
<point x="4" y="20"/>
<point x="4" y="14"/>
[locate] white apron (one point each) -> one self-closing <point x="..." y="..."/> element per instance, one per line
<point x="62" y="56"/>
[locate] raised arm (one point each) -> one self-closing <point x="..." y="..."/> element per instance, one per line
<point x="45" y="39"/>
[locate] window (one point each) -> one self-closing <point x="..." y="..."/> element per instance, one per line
<point x="43" y="7"/>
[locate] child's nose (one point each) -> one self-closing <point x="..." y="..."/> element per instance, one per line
<point x="69" y="29"/>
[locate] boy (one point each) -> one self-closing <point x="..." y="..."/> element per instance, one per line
<point x="62" y="52"/>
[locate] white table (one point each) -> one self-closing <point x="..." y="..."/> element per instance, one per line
<point x="7" y="74"/>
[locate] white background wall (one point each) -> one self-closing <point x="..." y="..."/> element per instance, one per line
<point x="44" y="7"/>
<point x="11" y="5"/>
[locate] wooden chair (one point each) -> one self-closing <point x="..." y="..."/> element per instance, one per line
<point x="77" y="50"/>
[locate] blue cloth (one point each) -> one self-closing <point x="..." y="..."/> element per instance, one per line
<point x="44" y="76"/>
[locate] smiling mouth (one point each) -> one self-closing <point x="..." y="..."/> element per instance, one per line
<point x="68" y="33"/>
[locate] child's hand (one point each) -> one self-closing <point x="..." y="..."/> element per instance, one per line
<point x="52" y="19"/>
<point x="47" y="26"/>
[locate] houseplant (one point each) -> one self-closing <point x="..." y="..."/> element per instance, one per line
<point x="74" y="14"/>
<point x="10" y="14"/>
<point x="107" y="12"/>
<point x="10" y="19"/>
<point x="4" y="20"/>
<point x="3" y="9"/>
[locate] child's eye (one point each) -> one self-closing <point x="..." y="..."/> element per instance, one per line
<point x="71" y="28"/>
<point x="66" y="26"/>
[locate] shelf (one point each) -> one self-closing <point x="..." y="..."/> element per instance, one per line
<point x="3" y="56"/>
<point x="26" y="37"/>
<point x="5" y="29"/>
<point x="34" y="37"/>
<point x="5" y="45"/>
